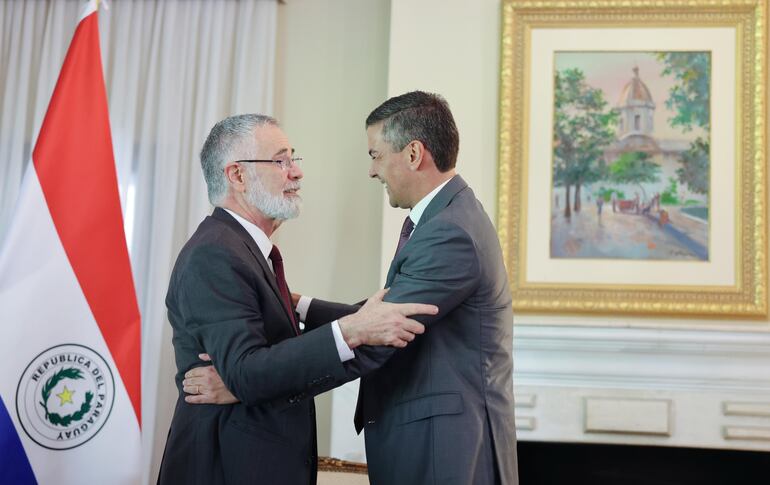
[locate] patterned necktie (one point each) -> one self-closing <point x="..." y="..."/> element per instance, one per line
<point x="280" y="278"/>
<point x="406" y="231"/>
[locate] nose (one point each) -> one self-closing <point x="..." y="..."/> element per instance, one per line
<point x="372" y="172"/>
<point x="295" y="173"/>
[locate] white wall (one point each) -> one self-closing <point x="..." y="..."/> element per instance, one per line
<point x="331" y="71"/>
<point x="450" y="47"/>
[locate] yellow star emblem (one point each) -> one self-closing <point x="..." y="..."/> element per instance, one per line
<point x="65" y="396"/>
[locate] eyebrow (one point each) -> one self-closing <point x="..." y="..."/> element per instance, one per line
<point x="282" y="151"/>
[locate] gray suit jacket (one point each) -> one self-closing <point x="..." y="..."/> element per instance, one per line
<point x="440" y="411"/>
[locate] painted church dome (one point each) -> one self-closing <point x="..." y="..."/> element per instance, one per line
<point x="635" y="92"/>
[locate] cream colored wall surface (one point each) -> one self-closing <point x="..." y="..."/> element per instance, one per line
<point x="331" y="70"/>
<point x="450" y="47"/>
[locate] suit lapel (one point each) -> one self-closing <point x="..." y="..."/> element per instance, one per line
<point x="455" y="185"/>
<point x="222" y="215"/>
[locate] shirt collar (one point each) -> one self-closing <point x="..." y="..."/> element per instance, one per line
<point x="259" y="236"/>
<point x="419" y="208"/>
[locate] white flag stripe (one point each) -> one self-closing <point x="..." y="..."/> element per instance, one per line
<point x="89" y="8"/>
<point x="37" y="283"/>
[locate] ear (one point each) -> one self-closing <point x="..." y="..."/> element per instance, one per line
<point x="235" y="177"/>
<point x="416" y="151"/>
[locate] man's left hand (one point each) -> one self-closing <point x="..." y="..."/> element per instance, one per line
<point x="205" y="386"/>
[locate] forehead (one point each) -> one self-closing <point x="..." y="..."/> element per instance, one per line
<point x="271" y="139"/>
<point x="374" y="134"/>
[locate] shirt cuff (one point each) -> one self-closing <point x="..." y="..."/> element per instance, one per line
<point x="302" y="307"/>
<point x="342" y="348"/>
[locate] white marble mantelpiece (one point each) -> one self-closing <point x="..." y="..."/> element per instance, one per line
<point x="657" y="386"/>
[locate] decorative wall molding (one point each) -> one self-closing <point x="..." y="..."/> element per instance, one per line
<point x="665" y="387"/>
<point x="656" y="381"/>
<point x="639" y="340"/>
<point x="525" y="423"/>
<point x="524" y="400"/>
<point x="747" y="433"/>
<point x="753" y="409"/>
<point x="636" y="358"/>
<point x="627" y="416"/>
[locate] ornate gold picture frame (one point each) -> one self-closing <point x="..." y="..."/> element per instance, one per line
<point x="647" y="119"/>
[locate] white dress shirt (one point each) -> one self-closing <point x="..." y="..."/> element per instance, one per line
<point x="265" y="247"/>
<point x="416" y="213"/>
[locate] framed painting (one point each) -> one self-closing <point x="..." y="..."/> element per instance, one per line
<point x="633" y="156"/>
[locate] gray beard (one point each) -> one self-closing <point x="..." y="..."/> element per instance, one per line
<point x="273" y="206"/>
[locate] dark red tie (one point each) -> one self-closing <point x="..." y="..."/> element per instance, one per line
<point x="280" y="278"/>
<point x="406" y="231"/>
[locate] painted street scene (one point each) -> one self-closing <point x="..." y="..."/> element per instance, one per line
<point x="631" y="167"/>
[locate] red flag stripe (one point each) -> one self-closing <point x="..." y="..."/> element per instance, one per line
<point x="74" y="162"/>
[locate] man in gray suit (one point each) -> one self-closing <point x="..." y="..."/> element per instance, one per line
<point x="439" y="411"/>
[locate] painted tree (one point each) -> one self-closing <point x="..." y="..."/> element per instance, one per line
<point x="695" y="167"/>
<point x="583" y="127"/>
<point x="670" y="194"/>
<point x="689" y="98"/>
<point x="635" y="168"/>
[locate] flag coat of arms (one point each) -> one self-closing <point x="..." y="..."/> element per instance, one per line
<point x="70" y="393"/>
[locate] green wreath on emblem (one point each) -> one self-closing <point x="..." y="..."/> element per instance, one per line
<point x="58" y="419"/>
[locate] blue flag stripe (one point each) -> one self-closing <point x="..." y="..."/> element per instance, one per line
<point x="14" y="465"/>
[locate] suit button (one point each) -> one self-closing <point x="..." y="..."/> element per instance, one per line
<point x="371" y="421"/>
<point x="309" y="461"/>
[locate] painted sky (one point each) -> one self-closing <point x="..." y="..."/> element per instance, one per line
<point x="611" y="71"/>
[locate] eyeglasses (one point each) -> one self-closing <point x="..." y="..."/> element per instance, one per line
<point x="285" y="163"/>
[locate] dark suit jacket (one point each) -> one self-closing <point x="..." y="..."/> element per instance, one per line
<point x="440" y="411"/>
<point x="223" y="300"/>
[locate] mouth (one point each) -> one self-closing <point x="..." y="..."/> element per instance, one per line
<point x="291" y="192"/>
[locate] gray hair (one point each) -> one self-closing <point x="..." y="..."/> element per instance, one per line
<point x="419" y="116"/>
<point x="230" y="139"/>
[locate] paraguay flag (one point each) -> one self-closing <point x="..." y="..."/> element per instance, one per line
<point x="69" y="323"/>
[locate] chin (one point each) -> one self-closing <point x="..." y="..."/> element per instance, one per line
<point x="294" y="212"/>
<point x="285" y="216"/>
